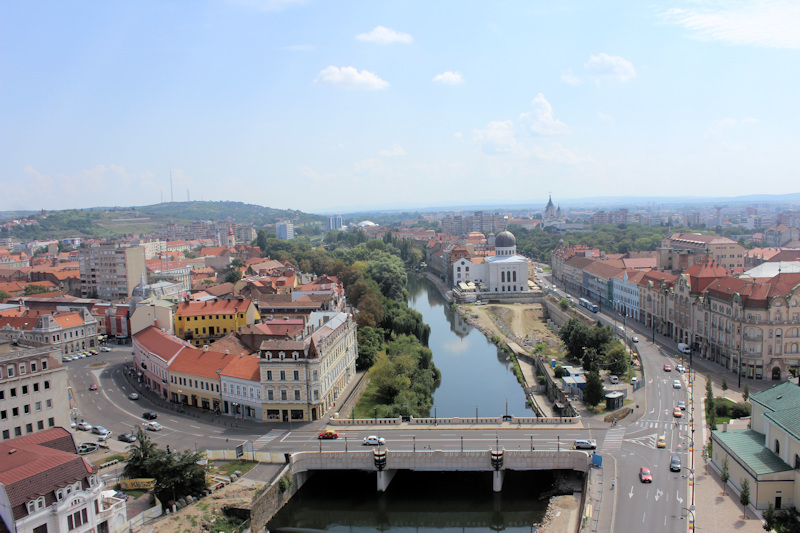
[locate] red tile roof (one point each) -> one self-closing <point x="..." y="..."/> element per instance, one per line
<point x="201" y="363"/>
<point x="212" y="307"/>
<point x="243" y="367"/>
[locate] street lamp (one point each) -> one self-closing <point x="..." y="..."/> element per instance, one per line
<point x="376" y="414"/>
<point x="691" y="522"/>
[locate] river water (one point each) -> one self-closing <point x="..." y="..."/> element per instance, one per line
<point x="474" y="373"/>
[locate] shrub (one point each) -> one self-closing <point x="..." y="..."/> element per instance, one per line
<point x="740" y="410"/>
<point x="284" y="484"/>
<point x="559" y="371"/>
<point x="541" y="379"/>
<point x="723" y="409"/>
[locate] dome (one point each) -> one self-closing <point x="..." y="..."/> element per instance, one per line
<point x="505" y="239"/>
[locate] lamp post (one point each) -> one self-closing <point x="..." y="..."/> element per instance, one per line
<point x="476" y="414"/>
<point x="691" y="522"/>
<point x="376" y="414"/>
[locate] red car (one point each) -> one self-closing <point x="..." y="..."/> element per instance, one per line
<point x="667" y="368"/>
<point x="92" y="387"/>
<point x="644" y="475"/>
<point x="328" y="434"/>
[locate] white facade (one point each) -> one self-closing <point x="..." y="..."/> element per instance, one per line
<point x="626" y="296"/>
<point x="502" y="273"/>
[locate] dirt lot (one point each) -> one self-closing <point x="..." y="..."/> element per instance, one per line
<point x="517" y="321"/>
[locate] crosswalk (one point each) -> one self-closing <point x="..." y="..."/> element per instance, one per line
<point x="265" y="439"/>
<point x="613" y="440"/>
<point x="660" y="424"/>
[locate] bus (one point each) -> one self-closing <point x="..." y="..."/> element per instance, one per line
<point x="589" y="305"/>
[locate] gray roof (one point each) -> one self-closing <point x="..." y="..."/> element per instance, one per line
<point x="788" y="420"/>
<point x="783" y="396"/>
<point x="505" y="239"/>
<point x="748" y="445"/>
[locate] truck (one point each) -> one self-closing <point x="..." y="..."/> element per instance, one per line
<point x="684" y="348"/>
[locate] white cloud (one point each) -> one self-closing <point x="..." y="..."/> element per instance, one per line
<point x="350" y="78"/>
<point x="496" y="138"/>
<point x="767" y="23"/>
<point x="718" y="127"/>
<point x="383" y="35"/>
<point x="394" y="151"/>
<point x="541" y="120"/>
<point x="605" y="67"/>
<point x="449" y="78"/>
<point x="571" y="78"/>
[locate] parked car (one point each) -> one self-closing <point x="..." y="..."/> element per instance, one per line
<point x="84" y="426"/>
<point x="93" y="386"/>
<point x="99" y="430"/>
<point x="149" y="415"/>
<point x="676" y="384"/>
<point x="66" y="359"/>
<point x="675" y="464"/>
<point x="662" y="441"/>
<point x="644" y="475"/>
<point x="584" y="444"/>
<point x="126" y="437"/>
<point x="635" y="338"/>
<point x="329" y="434"/>
<point x="153" y="426"/>
<point x="373" y="440"/>
<point x="104" y="436"/>
<point x="94" y="352"/>
<point x="105" y="349"/>
<point x="133" y="396"/>
<point x="613" y="380"/>
<point x="87" y="447"/>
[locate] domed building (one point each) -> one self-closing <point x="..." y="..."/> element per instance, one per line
<point x="504" y="272"/>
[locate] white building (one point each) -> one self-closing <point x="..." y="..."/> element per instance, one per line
<point x="505" y="272"/>
<point x="284" y="230"/>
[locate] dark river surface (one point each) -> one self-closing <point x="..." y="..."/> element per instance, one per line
<point x="474" y="373"/>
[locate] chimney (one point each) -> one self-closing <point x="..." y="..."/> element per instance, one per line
<point x="205" y="347"/>
<point x="227" y="352"/>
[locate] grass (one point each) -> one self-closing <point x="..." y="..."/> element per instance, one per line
<point x="104" y="460"/>
<point x="229" y="467"/>
<point x="365" y="408"/>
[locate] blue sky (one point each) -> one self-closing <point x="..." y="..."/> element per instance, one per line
<point x="330" y="106"/>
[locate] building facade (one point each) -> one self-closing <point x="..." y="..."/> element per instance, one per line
<point x="110" y="272"/>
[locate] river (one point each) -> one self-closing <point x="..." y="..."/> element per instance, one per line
<point x="428" y="502"/>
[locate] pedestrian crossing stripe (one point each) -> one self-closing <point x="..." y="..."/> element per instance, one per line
<point x="648" y="441"/>
<point x="267" y="438"/>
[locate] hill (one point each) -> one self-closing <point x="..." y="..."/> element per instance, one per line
<point x="233" y="211"/>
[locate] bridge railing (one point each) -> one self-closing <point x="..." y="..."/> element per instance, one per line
<point x="485" y="421"/>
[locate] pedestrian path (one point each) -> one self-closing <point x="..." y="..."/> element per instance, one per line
<point x="613" y="440"/>
<point x="263" y="440"/>
<point x="659" y="424"/>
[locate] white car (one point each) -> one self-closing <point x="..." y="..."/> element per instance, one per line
<point x="105" y="349"/>
<point x="84" y="426"/>
<point x="373" y="440"/>
<point x="680" y="368"/>
<point x="153" y="426"/>
<point x="676" y="384"/>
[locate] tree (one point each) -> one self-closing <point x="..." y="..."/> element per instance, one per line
<point x="724" y="384"/>
<point x="35" y="289"/>
<point x="769" y="518"/>
<point x="709" y="391"/>
<point x="233" y="276"/>
<point x="744" y="496"/>
<point x="590" y="360"/>
<point x="746" y="392"/>
<point x="369" y="343"/>
<point x="712" y="416"/>
<point x="388" y="272"/>
<point x="4" y="294"/>
<point x="563" y="304"/>
<point x="593" y="392"/>
<point x="725" y="475"/>
<point x="617" y="359"/>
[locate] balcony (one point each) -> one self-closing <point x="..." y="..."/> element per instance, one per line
<point x="753" y="338"/>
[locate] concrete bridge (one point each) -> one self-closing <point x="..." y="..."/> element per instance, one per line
<point x="385" y="463"/>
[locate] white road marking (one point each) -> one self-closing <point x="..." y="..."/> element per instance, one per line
<point x="678" y="496"/>
<point x="658" y="494"/>
<point x="630" y="494"/>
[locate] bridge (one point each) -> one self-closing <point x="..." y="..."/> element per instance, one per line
<point x="385" y="463"/>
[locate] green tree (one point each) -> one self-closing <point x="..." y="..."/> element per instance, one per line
<point x="746" y="392"/>
<point x="712" y="416"/>
<point x="233" y="276"/>
<point x="590" y="360"/>
<point x="563" y="304"/>
<point x="709" y="390"/>
<point x="725" y="475"/>
<point x="744" y="496"/>
<point x="4" y="294"/>
<point x="769" y="518"/>
<point x="724" y="384"/>
<point x="35" y="289"/>
<point x="617" y="359"/>
<point x="370" y="342"/>
<point x="261" y="241"/>
<point x="593" y="392"/>
<point x="388" y="272"/>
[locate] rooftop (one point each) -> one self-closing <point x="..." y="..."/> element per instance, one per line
<point x="748" y="445"/>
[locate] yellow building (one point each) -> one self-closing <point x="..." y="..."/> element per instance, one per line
<point x="202" y="323"/>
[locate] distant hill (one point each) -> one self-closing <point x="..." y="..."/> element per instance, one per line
<point x="233" y="211"/>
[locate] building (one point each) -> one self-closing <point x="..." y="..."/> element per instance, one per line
<point x="768" y="454"/>
<point x="66" y="331"/>
<point x="302" y="379"/>
<point x="46" y="486"/>
<point x="458" y="224"/>
<point x="202" y="323"/>
<point x="505" y="272"/>
<point x="241" y="388"/>
<point x="335" y="222"/>
<point x="153" y="351"/>
<point x="110" y="272"/>
<point x="33" y="390"/>
<point x="682" y="250"/>
<point x="284" y="230"/>
<point x="551" y="215"/>
<point x="194" y="377"/>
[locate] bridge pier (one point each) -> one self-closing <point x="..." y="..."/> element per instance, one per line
<point x="497" y="480"/>
<point x="384" y="478"/>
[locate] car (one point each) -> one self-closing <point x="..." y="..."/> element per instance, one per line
<point x="676" y="384"/>
<point x="149" y="415"/>
<point x="613" y="380"/>
<point x="153" y="426"/>
<point x="667" y="367"/>
<point x="86" y="448"/>
<point x="677" y="413"/>
<point x="584" y="444"/>
<point x="644" y="475"/>
<point x="372" y="440"/>
<point x="94" y="352"/>
<point x="93" y="386"/>
<point x="66" y="359"/>
<point x="635" y="338"/>
<point x="99" y="430"/>
<point x="104" y="436"/>
<point x="662" y="441"/>
<point x="73" y="424"/>
<point x="105" y="349"/>
<point x="680" y="368"/>
<point x="682" y="405"/>
<point x="84" y="426"/>
<point x="126" y="437"/>
<point x="675" y="464"/>
<point x="80" y="356"/>
<point x="329" y="434"/>
<point x="133" y="396"/>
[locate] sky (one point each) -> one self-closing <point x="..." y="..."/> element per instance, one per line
<point x="326" y="106"/>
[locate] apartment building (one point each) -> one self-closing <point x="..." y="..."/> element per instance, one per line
<point x="203" y="322"/>
<point x="67" y="332"/>
<point x="681" y="250"/>
<point x="284" y="230"/>
<point x="110" y="272"/>
<point x="33" y="390"/>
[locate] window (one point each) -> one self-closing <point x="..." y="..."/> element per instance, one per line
<point x="33" y="366"/>
<point x="21" y="368"/>
<point x="777" y="447"/>
<point x="40" y="425"/>
<point x="283" y="375"/>
<point x="270" y="395"/>
<point x="24" y="389"/>
<point x="297" y="375"/>
<point x="35" y="387"/>
<point x="269" y="375"/>
<point x="283" y="395"/>
<point x="51" y="422"/>
<point x="48" y="403"/>
<point x="13" y="392"/>
<point x="297" y="395"/>
<point x="77" y="519"/>
<point x="46" y="385"/>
